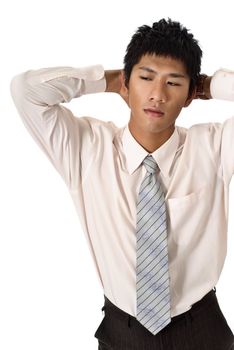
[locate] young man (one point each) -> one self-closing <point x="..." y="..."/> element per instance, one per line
<point x="152" y="197"/>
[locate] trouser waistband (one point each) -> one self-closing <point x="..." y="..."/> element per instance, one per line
<point x="209" y="298"/>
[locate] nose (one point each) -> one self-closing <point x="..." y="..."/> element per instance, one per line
<point x="158" y="93"/>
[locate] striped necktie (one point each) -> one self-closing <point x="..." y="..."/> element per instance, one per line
<point x="152" y="275"/>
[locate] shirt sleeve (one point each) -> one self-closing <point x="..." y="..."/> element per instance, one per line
<point x="222" y="88"/>
<point x="65" y="139"/>
<point x="222" y="85"/>
<point x="226" y="149"/>
<point x="219" y="139"/>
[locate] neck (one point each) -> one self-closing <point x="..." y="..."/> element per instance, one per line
<point x="151" y="141"/>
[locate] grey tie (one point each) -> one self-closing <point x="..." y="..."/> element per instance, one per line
<point x="152" y="276"/>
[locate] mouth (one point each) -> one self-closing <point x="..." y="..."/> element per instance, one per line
<point x="154" y="112"/>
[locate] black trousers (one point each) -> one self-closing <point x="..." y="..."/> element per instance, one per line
<point x="203" y="327"/>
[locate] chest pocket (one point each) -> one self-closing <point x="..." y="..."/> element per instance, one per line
<point x="189" y="215"/>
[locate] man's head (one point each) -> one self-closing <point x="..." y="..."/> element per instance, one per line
<point x="161" y="68"/>
<point x="165" y="38"/>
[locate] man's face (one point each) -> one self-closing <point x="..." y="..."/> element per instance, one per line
<point x="157" y="91"/>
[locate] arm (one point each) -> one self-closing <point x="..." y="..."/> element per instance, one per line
<point x="219" y="86"/>
<point x="66" y="140"/>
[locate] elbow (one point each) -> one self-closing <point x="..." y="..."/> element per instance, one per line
<point x="18" y="87"/>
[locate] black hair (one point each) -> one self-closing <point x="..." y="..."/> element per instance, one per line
<point x="165" y="38"/>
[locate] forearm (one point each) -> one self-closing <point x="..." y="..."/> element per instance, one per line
<point x="51" y="86"/>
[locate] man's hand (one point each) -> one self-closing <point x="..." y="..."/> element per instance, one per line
<point x="203" y="87"/>
<point x="115" y="83"/>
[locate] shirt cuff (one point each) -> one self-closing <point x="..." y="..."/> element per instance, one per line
<point x="94" y="78"/>
<point x="222" y="85"/>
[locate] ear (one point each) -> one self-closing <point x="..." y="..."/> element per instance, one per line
<point x="124" y="88"/>
<point x="190" y="98"/>
<point x="123" y="81"/>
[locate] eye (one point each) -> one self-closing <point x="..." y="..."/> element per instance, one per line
<point x="171" y="83"/>
<point x="145" y="78"/>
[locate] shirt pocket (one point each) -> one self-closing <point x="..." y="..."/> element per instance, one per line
<point x="188" y="215"/>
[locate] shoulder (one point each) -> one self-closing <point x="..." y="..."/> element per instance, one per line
<point x="209" y="135"/>
<point x="200" y="130"/>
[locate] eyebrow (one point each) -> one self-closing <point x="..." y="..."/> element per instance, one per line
<point x="173" y="75"/>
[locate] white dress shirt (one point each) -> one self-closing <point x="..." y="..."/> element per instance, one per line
<point x="101" y="165"/>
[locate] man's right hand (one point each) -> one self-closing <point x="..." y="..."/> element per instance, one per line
<point x="115" y="82"/>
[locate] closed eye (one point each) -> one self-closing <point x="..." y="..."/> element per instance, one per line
<point x="145" y="78"/>
<point x="173" y="84"/>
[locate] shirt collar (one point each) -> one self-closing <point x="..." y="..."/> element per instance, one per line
<point x="135" y="153"/>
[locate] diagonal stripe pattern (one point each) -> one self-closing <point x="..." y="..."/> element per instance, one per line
<point x="152" y="275"/>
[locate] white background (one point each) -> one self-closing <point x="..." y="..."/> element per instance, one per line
<point x="50" y="297"/>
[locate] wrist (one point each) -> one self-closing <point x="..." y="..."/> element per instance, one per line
<point x="207" y="82"/>
<point x="113" y="80"/>
<point x="203" y="87"/>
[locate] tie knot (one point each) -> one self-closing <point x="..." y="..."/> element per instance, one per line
<point x="150" y="164"/>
